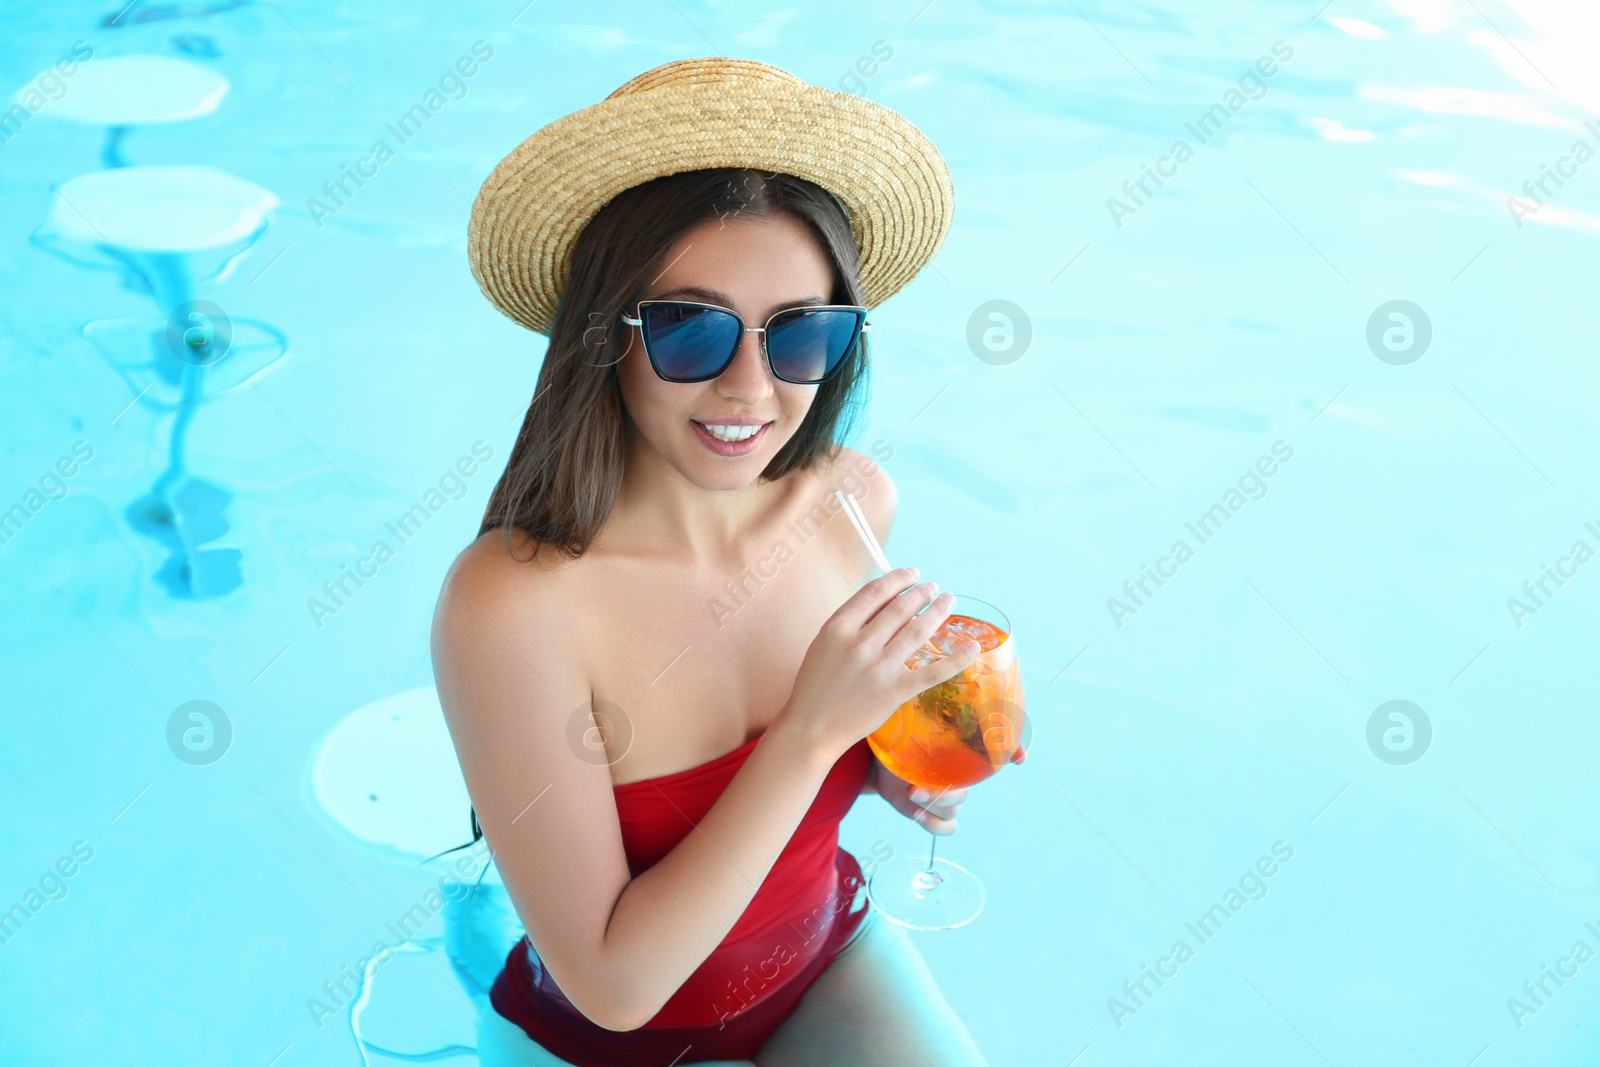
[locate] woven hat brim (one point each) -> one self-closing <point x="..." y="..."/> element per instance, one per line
<point x="893" y="183"/>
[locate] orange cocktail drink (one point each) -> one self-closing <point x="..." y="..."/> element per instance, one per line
<point x="963" y="730"/>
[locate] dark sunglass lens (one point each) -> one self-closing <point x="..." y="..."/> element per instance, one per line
<point x="808" y="345"/>
<point x="689" y="342"/>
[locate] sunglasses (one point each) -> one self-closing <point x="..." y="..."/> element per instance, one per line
<point x="688" y="341"/>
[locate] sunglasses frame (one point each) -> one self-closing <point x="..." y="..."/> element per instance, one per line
<point x="863" y="326"/>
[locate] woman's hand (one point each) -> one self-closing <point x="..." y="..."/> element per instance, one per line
<point x="854" y="675"/>
<point x="934" y="810"/>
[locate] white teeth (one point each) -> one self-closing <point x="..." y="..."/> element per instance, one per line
<point x="730" y="433"/>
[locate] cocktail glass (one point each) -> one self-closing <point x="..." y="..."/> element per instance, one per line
<point x="953" y="734"/>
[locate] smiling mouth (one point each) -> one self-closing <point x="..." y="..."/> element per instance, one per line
<point x="730" y="439"/>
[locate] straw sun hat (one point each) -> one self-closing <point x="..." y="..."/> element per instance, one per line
<point x="694" y="114"/>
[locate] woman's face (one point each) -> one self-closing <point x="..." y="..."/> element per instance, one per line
<point x="754" y="266"/>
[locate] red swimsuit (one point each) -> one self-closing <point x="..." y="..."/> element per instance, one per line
<point x="801" y="917"/>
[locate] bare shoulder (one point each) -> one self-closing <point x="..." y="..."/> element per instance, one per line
<point x="867" y="481"/>
<point x="508" y="592"/>
<point x="495" y="560"/>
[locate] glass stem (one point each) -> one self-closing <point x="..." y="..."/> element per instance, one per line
<point x="933" y="845"/>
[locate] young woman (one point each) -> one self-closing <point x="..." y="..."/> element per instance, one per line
<point x="660" y="658"/>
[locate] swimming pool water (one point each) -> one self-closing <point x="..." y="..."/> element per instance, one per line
<point x="1157" y="402"/>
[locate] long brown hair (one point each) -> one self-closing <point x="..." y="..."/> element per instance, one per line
<point x="565" y="471"/>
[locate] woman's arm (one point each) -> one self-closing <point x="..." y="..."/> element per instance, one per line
<point x="510" y="682"/>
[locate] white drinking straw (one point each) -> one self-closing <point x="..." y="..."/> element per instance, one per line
<point x="858" y="519"/>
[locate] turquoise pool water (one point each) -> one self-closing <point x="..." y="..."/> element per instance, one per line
<point x="1344" y="503"/>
